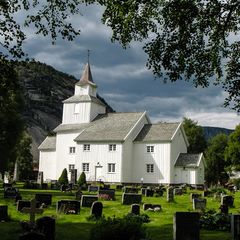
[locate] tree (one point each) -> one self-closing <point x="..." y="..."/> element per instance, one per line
<point x="82" y="179"/>
<point x="194" y="40"/>
<point x="215" y="160"/>
<point x="11" y="106"/>
<point x="63" y="179"/>
<point x="195" y="135"/>
<point x="232" y="153"/>
<point x="24" y="157"/>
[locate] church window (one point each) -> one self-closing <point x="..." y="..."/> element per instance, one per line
<point x="112" y="147"/>
<point x="85" y="167"/>
<point x="77" y="108"/>
<point x="111" y="167"/>
<point x="150" y="168"/>
<point x="150" y="149"/>
<point x="72" y="150"/>
<point x="86" y="147"/>
<point x="71" y="167"/>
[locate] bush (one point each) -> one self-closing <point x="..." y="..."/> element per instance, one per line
<point x="63" y="178"/>
<point x="210" y="220"/>
<point x="82" y="179"/>
<point x="126" y="228"/>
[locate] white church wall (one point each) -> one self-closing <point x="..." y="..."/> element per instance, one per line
<point x="47" y="164"/>
<point x="178" y="145"/>
<point x="128" y="155"/>
<point x="99" y="155"/>
<point x="74" y="114"/>
<point x="96" y="109"/>
<point x="64" y="157"/>
<point x="200" y="174"/>
<point x="85" y="90"/>
<point x="160" y="159"/>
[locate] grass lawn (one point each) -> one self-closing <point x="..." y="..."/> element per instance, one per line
<point x="76" y="227"/>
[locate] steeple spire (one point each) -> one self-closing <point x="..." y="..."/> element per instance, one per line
<point x="86" y="77"/>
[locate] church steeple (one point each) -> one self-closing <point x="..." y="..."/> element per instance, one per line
<point x="86" y="86"/>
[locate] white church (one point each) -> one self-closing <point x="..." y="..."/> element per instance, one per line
<point x="122" y="147"/>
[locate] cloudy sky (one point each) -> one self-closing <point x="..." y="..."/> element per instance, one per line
<point x="123" y="79"/>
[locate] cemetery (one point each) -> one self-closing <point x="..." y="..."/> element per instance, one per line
<point x="70" y="215"/>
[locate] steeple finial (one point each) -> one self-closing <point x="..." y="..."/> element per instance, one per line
<point x="88" y="54"/>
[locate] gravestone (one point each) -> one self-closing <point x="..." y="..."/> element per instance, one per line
<point x="152" y="207"/>
<point x="47" y="225"/>
<point x="143" y="191"/>
<point x="10" y="192"/>
<point x="147" y="206"/>
<point x="227" y="200"/>
<point x="177" y="191"/>
<point x="106" y="186"/>
<point x="92" y="188"/>
<point x="194" y="195"/>
<point x="235" y="226"/>
<point x="73" y="178"/>
<point x="45" y="198"/>
<point x="135" y="209"/>
<point x="78" y="195"/>
<point x="130" y="190"/>
<point x="186" y="226"/>
<point x="40" y="178"/>
<point x="131" y="198"/>
<point x="96" y="209"/>
<point x="68" y="206"/>
<point x="3" y="212"/>
<point x="32" y="236"/>
<point x="32" y="210"/>
<point x="119" y="187"/>
<point x="170" y="195"/>
<point x="22" y="204"/>
<point x="7" y="185"/>
<point x="107" y="194"/>
<point x="87" y="200"/>
<point x="199" y="204"/>
<point x="44" y="186"/>
<point x="149" y="192"/>
<point x="207" y="193"/>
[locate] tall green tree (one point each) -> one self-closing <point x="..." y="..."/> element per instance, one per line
<point x="63" y="179"/>
<point x="232" y="153"/>
<point x="194" y="40"/>
<point x="195" y="135"/>
<point x="215" y="171"/>
<point x="11" y="106"/>
<point x="24" y="157"/>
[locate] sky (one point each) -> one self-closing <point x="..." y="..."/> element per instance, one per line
<point x="123" y="79"/>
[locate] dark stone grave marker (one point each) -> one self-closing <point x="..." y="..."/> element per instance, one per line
<point x="3" y="212"/>
<point x="194" y="195"/>
<point x="235" y="226"/>
<point x="78" y="195"/>
<point x="46" y="226"/>
<point x="68" y="206"/>
<point x="87" y="200"/>
<point x="22" y="204"/>
<point x="10" y="192"/>
<point x="143" y="191"/>
<point x="32" y="210"/>
<point x="44" y="186"/>
<point x="149" y="192"/>
<point x="130" y="190"/>
<point x="96" y="209"/>
<point x="107" y="194"/>
<point x="199" y="204"/>
<point x="119" y="187"/>
<point x="178" y="191"/>
<point x="186" y="226"/>
<point x="131" y="198"/>
<point x="92" y="188"/>
<point x="7" y="185"/>
<point x="224" y="209"/>
<point x="45" y="198"/>
<point x="227" y="200"/>
<point x="135" y="209"/>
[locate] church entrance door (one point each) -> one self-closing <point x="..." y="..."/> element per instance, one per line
<point x="98" y="173"/>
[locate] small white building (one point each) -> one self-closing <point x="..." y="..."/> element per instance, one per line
<point x="116" y="147"/>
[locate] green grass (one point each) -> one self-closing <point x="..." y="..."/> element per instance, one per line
<point x="76" y="227"/>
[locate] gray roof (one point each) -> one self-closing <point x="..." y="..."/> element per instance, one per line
<point x="48" y="144"/>
<point x="69" y="127"/>
<point x="83" y="98"/>
<point x="109" y="127"/>
<point x="86" y="77"/>
<point x="157" y="132"/>
<point x="188" y="160"/>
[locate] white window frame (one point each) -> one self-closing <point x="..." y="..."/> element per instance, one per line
<point x="76" y="108"/>
<point x="150" y="149"/>
<point x="111" y="167"/>
<point x="72" y="150"/>
<point x="85" y="167"/>
<point x="150" y="168"/>
<point x="86" y="147"/>
<point x="112" y="147"/>
<point x="71" y="167"/>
